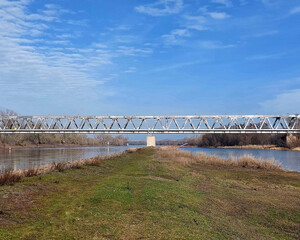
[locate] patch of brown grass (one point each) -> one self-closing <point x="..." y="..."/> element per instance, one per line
<point x="31" y="172"/>
<point x="133" y="150"/>
<point x="251" y="162"/>
<point x="187" y="158"/>
<point x="10" y="177"/>
<point x="77" y="165"/>
<point x="59" y="167"/>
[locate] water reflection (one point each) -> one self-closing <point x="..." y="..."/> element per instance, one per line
<point x="34" y="157"/>
<point x="289" y="159"/>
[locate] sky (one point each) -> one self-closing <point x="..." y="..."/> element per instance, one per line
<point x="149" y="57"/>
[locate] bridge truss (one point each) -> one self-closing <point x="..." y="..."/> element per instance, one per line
<point x="151" y="124"/>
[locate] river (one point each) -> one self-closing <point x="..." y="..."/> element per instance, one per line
<point x="24" y="158"/>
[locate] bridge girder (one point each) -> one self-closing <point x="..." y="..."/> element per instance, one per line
<point x="194" y="124"/>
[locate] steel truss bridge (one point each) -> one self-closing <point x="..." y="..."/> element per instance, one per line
<point x="289" y="124"/>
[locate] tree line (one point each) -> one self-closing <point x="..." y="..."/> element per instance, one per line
<point x="222" y="139"/>
<point x="217" y="140"/>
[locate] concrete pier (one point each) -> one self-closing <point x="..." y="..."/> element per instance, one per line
<point x="151" y="141"/>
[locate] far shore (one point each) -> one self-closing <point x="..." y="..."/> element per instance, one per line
<point x="263" y="147"/>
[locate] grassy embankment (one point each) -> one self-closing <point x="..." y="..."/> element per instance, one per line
<point x="155" y="194"/>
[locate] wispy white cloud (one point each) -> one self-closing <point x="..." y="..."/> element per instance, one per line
<point x="133" y="51"/>
<point x="267" y="33"/>
<point x="161" y="7"/>
<point x="214" y="45"/>
<point x="125" y="38"/>
<point x="273" y="3"/>
<point x="40" y="60"/>
<point x="219" y="15"/>
<point x="261" y="34"/>
<point x="195" y="22"/>
<point x="176" y="65"/>
<point x="213" y="14"/>
<point x="32" y="66"/>
<point x="81" y="22"/>
<point x="265" y="56"/>
<point x="99" y="45"/>
<point x="285" y="102"/>
<point x="295" y="10"/>
<point x="176" y="37"/>
<point x="130" y="70"/>
<point x="121" y="27"/>
<point x="226" y="3"/>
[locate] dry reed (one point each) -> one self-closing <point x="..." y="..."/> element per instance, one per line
<point x="31" y="172"/>
<point x="187" y="158"/>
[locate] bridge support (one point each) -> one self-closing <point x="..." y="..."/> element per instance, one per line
<point x="151" y="141"/>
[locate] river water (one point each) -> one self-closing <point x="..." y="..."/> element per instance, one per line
<point x="23" y="158"/>
<point x="34" y="157"/>
<point x="289" y="159"/>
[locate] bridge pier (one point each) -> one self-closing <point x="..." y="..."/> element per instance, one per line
<point x="151" y="141"/>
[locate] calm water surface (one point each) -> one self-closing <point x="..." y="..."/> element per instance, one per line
<point x="289" y="159"/>
<point x="34" y="157"/>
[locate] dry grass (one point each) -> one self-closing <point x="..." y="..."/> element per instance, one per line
<point x="59" y="167"/>
<point x="31" y="172"/>
<point x="250" y="161"/>
<point x="132" y="150"/>
<point x="11" y="176"/>
<point x="77" y="165"/>
<point x="187" y="158"/>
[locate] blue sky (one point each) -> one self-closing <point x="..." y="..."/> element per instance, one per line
<point x="131" y="57"/>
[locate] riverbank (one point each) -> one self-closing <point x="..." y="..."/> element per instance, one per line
<point x="262" y="147"/>
<point x="149" y="194"/>
<point x="5" y="146"/>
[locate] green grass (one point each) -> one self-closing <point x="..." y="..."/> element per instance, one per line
<point x="140" y="196"/>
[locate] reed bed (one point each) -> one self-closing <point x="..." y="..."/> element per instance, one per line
<point x="9" y="177"/>
<point x="187" y="158"/>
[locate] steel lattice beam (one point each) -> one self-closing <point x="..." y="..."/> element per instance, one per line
<point x="151" y="124"/>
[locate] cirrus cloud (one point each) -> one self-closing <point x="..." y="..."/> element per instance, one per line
<point x="161" y="7"/>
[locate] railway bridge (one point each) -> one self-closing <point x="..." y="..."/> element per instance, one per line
<point x="187" y="124"/>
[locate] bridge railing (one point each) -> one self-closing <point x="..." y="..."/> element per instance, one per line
<point x="151" y="124"/>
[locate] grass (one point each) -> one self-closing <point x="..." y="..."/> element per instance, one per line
<point x="145" y="194"/>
